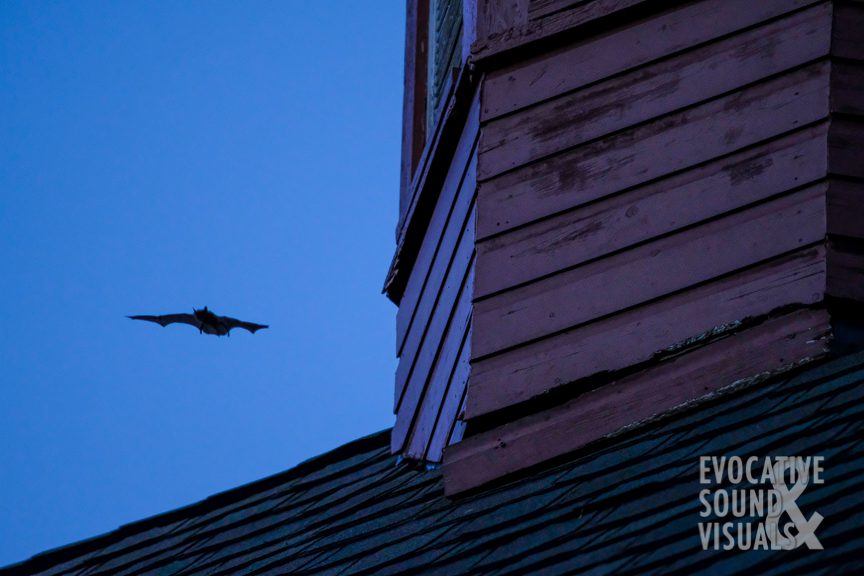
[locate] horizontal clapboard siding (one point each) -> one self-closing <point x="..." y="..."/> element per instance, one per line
<point x="759" y="349"/>
<point x="505" y="27"/>
<point x="641" y="213"/>
<point x="434" y="317"/>
<point x="656" y="89"/>
<point x="595" y="58"/>
<point x="648" y="184"/>
<point x="632" y="337"/>
<point x="538" y="9"/>
<point x="652" y="150"/>
<point x="651" y="270"/>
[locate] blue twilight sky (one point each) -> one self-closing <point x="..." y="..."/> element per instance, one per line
<point x="156" y="156"/>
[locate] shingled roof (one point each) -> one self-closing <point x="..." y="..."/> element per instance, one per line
<point x="627" y="505"/>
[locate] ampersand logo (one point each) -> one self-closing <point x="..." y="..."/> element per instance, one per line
<point x="806" y="529"/>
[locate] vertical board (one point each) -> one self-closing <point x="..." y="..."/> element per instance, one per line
<point x="448" y="217"/>
<point x="433" y="366"/>
<point x="413" y="97"/>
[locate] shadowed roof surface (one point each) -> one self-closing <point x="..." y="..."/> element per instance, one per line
<point x="628" y="505"/>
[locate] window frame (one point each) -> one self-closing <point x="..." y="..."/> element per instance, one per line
<point x="426" y="146"/>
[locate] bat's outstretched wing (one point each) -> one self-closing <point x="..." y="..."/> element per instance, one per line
<point x="234" y="323"/>
<point x="166" y="319"/>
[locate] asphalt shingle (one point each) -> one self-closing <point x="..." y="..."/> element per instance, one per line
<point x="628" y="505"/>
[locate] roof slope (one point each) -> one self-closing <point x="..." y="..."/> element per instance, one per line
<point x="628" y="506"/>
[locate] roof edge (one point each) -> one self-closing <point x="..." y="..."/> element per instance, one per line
<point x="53" y="556"/>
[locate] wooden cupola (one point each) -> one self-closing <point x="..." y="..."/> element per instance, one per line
<point x="611" y="209"/>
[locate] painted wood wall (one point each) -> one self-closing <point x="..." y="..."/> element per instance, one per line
<point x="435" y="312"/>
<point x="621" y="175"/>
<point x="675" y="174"/>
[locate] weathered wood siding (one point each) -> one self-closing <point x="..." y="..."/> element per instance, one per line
<point x="540" y="436"/>
<point x="435" y="311"/>
<point x="506" y="24"/>
<point x="645" y="184"/>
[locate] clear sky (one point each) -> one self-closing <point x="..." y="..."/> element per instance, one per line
<point x="156" y="156"/>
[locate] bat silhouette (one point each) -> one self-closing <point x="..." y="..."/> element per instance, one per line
<point x="206" y="321"/>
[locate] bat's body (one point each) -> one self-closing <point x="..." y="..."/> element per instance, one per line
<point x="206" y="321"/>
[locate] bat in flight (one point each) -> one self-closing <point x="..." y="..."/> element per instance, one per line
<point x="206" y="321"/>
